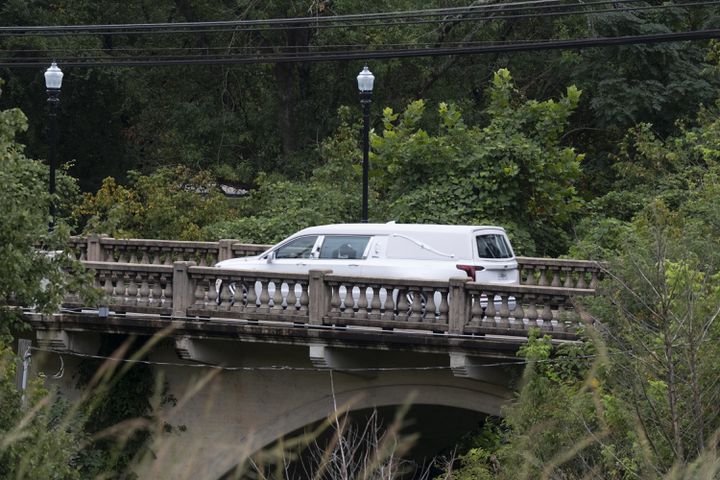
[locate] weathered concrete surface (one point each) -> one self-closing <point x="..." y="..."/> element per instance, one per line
<point x="247" y="406"/>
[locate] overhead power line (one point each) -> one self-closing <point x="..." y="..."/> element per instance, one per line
<point x="404" y="18"/>
<point x="286" y="57"/>
<point x="285" y="22"/>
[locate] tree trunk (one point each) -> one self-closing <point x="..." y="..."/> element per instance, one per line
<point x="286" y="78"/>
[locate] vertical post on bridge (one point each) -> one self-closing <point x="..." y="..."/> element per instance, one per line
<point x="183" y="293"/>
<point x="319" y="292"/>
<point x="459" y="305"/>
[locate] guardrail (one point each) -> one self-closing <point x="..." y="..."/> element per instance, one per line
<point x="544" y="272"/>
<point x="185" y="289"/>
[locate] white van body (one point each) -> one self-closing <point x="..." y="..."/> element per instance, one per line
<point x="413" y="251"/>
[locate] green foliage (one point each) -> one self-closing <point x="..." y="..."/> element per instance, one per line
<point x="512" y="171"/>
<point x="30" y="275"/>
<point x="680" y="171"/>
<point x="172" y="203"/>
<point x="123" y="397"/>
<point x="663" y="306"/>
<point x="34" y="441"/>
<point x="280" y="207"/>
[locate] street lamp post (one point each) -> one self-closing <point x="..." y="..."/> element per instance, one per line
<point x="53" y="82"/>
<point x="365" y="80"/>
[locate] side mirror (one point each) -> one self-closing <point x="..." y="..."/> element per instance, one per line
<point x="271" y="257"/>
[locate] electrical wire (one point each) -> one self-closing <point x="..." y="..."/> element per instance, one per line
<point x="312" y="21"/>
<point x="288" y="57"/>
<point x="360" y="20"/>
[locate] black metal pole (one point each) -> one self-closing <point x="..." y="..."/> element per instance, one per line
<point x="365" y="101"/>
<point x="53" y="102"/>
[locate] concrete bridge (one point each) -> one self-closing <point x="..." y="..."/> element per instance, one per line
<point x="290" y="349"/>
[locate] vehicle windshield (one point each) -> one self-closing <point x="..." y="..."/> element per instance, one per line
<point x="493" y="245"/>
<point x="344" y="246"/>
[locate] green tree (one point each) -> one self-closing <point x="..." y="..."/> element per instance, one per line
<point x="172" y="203"/>
<point x="30" y="275"/>
<point x="36" y="441"/>
<point x="512" y="171"/>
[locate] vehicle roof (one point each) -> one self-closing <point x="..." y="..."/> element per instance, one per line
<point x="390" y="228"/>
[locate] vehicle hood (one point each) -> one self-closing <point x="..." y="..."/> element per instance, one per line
<point x="240" y="262"/>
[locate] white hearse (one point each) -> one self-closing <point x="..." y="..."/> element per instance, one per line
<point x="413" y="251"/>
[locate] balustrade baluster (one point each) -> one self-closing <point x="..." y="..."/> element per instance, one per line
<point x="430" y="307"/>
<point x="444" y="307"/>
<point x="504" y="310"/>
<point x="555" y="277"/>
<point x="291" y="300"/>
<point x="252" y="298"/>
<point x="348" y="302"/>
<point x="277" y="299"/>
<point x="126" y="288"/>
<point x="152" y="292"/>
<point x="264" y="296"/>
<point x="335" y="300"/>
<point x="389" y="307"/>
<point x="546" y="315"/>
<point x="543" y="281"/>
<point x="518" y="314"/>
<point x="402" y="305"/>
<point x="133" y="256"/>
<point x="490" y="312"/>
<point x="375" y="305"/>
<point x="581" y="278"/>
<point x="529" y="275"/>
<point x="167" y="256"/>
<point x="416" y="306"/>
<point x="568" y="277"/>
<point x="166" y="290"/>
<point x="476" y="310"/>
<point x="225" y="295"/>
<point x="362" y="303"/>
<point x="144" y="290"/>
<point x="531" y="313"/>
<point x="304" y="298"/>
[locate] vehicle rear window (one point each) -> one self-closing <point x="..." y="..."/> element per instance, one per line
<point x="298" y="248"/>
<point x="344" y="246"/>
<point x="493" y="245"/>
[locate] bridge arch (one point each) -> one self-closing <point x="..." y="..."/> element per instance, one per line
<point x="275" y="405"/>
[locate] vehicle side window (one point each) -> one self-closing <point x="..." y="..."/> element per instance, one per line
<point x="298" y="248"/>
<point x="344" y="246"/>
<point x="493" y="245"/>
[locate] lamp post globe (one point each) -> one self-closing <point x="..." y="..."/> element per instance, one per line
<point x="365" y="81"/>
<point x="53" y="82"/>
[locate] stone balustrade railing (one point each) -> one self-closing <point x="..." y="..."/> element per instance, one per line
<point x="186" y="290"/>
<point x="558" y="272"/>
<point x="158" y="252"/>
<point x="543" y="272"/>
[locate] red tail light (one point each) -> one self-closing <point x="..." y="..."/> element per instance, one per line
<point x="470" y="270"/>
